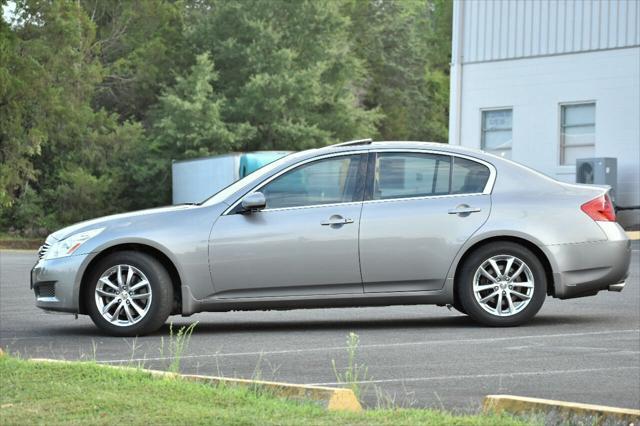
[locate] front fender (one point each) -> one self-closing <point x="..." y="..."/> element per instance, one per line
<point x="111" y="245"/>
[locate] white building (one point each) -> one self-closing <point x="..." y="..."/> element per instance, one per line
<point x="544" y="82"/>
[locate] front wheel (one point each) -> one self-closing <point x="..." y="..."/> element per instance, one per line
<point x="129" y="294"/>
<point x="502" y="284"/>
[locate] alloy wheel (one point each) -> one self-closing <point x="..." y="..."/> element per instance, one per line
<point x="503" y="285"/>
<point x="123" y="295"/>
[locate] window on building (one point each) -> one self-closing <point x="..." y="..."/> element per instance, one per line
<point x="577" y="132"/>
<point x="497" y="131"/>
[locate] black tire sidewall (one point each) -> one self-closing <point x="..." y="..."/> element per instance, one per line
<point x="458" y="307"/>
<point x="471" y="264"/>
<point x="161" y="287"/>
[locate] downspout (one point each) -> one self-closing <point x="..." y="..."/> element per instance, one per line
<point x="458" y="70"/>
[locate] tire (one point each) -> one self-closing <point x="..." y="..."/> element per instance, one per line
<point x="458" y="307"/>
<point x="485" y="297"/>
<point x="119" y="278"/>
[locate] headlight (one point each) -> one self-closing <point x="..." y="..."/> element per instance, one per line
<point x="70" y="244"/>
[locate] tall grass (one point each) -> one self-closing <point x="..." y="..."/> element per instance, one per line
<point x="178" y="343"/>
<point x="353" y="373"/>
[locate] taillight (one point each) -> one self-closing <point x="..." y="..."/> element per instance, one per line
<point x="600" y="209"/>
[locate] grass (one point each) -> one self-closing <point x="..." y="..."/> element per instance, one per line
<point x="86" y="393"/>
<point x="10" y="242"/>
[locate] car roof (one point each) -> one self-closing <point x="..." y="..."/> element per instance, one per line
<point x="437" y="146"/>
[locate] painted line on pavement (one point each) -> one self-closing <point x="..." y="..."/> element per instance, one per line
<point x="374" y="346"/>
<point x="484" y="376"/>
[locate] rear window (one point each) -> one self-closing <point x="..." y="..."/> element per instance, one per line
<point x="468" y="177"/>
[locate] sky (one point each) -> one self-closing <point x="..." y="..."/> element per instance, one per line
<point x="7" y="11"/>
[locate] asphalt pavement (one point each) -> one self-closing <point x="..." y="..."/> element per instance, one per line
<point x="584" y="350"/>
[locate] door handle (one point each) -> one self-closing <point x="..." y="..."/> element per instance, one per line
<point x="336" y="220"/>
<point x="464" y="210"/>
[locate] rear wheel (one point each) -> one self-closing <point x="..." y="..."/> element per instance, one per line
<point x="502" y="284"/>
<point x="458" y="307"/>
<point x="129" y="294"/>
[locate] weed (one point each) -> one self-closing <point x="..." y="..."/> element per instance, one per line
<point x="354" y="373"/>
<point x="257" y="371"/>
<point x="178" y="343"/>
<point x="392" y="401"/>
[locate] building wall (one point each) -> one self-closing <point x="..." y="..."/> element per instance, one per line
<point x="535" y="82"/>
<point x="505" y="29"/>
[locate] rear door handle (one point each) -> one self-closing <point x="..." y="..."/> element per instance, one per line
<point x="464" y="210"/>
<point x="336" y="220"/>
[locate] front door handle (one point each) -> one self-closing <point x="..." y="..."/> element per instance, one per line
<point x="464" y="209"/>
<point x="336" y="220"/>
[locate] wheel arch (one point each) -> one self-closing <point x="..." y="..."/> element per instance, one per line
<point x="138" y="247"/>
<point x="525" y="242"/>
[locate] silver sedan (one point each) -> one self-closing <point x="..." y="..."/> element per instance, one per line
<point x="354" y="224"/>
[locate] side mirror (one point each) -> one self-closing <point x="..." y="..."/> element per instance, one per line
<point x="254" y="202"/>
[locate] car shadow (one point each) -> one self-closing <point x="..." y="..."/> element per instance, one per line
<point x="450" y="323"/>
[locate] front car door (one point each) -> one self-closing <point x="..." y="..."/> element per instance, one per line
<point x="305" y="242"/>
<point x="419" y="210"/>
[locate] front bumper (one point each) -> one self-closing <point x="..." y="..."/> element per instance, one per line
<point x="587" y="268"/>
<point x="56" y="283"/>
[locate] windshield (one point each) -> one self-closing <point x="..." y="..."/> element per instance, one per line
<point x="223" y="194"/>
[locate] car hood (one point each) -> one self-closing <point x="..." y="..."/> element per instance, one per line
<point x="63" y="233"/>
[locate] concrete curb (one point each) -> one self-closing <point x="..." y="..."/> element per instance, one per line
<point x="521" y="405"/>
<point x="333" y="399"/>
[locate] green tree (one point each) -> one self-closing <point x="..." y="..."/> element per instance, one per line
<point x="48" y="72"/>
<point x="141" y="47"/>
<point x="187" y="123"/>
<point x="57" y="150"/>
<point x="287" y="70"/>
<point x="405" y="48"/>
<point x="21" y="133"/>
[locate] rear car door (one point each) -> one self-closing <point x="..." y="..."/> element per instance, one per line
<point x="305" y="242"/>
<point x="420" y="208"/>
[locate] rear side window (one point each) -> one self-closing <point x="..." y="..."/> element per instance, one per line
<point x="468" y="177"/>
<point x="409" y="175"/>
<point x="404" y="175"/>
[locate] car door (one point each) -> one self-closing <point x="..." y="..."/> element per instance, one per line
<point x="419" y="210"/>
<point x="305" y="242"/>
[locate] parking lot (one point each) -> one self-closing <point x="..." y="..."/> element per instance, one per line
<point x="584" y="350"/>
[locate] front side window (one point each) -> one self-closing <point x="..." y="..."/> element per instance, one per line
<point x="404" y="175"/>
<point x="327" y="181"/>
<point x="577" y="132"/>
<point x="497" y="126"/>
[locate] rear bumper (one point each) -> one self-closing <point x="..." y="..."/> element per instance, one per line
<point x="587" y="268"/>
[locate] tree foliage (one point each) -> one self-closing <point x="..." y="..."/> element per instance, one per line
<point x="98" y="96"/>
